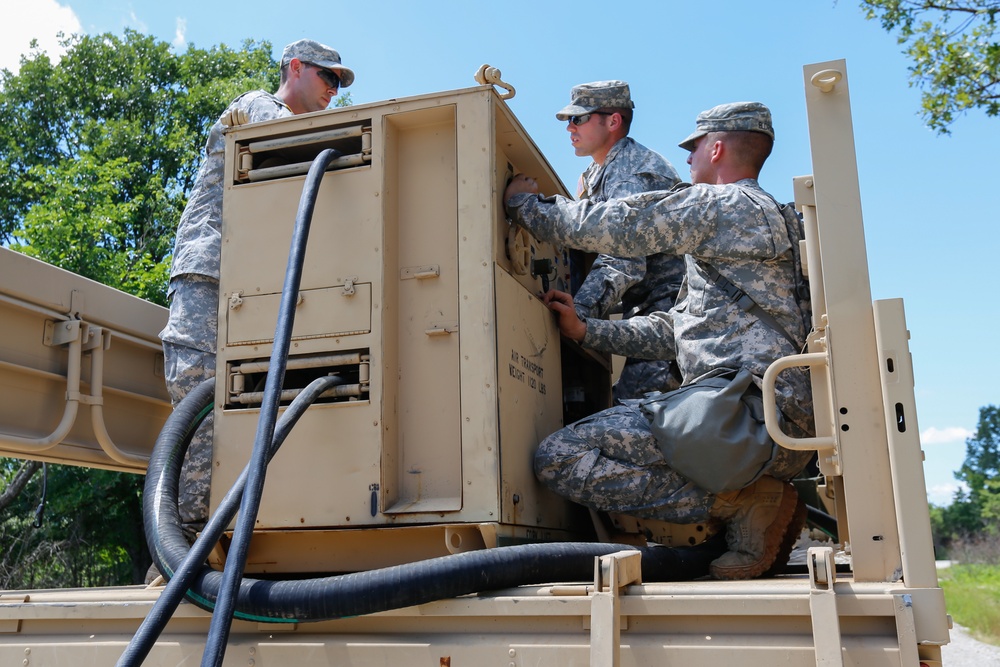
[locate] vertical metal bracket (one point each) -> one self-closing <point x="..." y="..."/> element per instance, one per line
<point x="612" y="573"/>
<point x="823" y="607"/>
<point x="906" y="631"/>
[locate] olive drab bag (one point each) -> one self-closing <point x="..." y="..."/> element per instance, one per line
<point x="712" y="430"/>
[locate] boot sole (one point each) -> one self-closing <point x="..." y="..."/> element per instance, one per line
<point x="774" y="542"/>
<point x="788" y="541"/>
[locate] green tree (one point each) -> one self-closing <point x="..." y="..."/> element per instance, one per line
<point x="99" y="150"/>
<point x="70" y="526"/>
<point x="962" y="518"/>
<point x="97" y="154"/>
<point x="974" y="512"/>
<point x="954" y="49"/>
<point x="990" y="499"/>
<point x="981" y="469"/>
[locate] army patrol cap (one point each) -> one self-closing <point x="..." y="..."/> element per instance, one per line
<point x="314" y="53"/>
<point x="732" y="117"/>
<point x="589" y="97"/>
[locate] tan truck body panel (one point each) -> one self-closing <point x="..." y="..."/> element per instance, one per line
<point x="81" y="369"/>
<point x="416" y="290"/>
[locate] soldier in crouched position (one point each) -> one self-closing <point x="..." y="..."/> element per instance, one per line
<point x="731" y="232"/>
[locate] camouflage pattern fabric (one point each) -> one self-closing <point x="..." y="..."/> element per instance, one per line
<point x="588" y="97"/>
<point x="312" y="52"/>
<point x="611" y="462"/>
<point x="731" y="117"/>
<point x="194" y="313"/>
<point x="642" y="284"/>
<point x="185" y="368"/>
<point x="628" y="169"/>
<point x="639" y="377"/>
<point x="738" y="229"/>
<point x="197" y="246"/>
<point x="189" y="346"/>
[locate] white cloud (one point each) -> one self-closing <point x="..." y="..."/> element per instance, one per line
<point x="180" y="36"/>
<point x="942" y="436"/>
<point x="42" y="21"/>
<point x="942" y="494"/>
<point x="136" y="23"/>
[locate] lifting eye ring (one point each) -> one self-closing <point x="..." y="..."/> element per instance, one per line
<point x="826" y="79"/>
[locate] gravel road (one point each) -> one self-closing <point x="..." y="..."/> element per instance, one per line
<point x="964" y="651"/>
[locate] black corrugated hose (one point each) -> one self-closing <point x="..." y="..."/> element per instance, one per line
<point x="160" y="495"/>
<point x="325" y="598"/>
<point x="239" y="547"/>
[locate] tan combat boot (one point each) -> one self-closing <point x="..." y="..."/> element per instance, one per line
<point x="759" y="522"/>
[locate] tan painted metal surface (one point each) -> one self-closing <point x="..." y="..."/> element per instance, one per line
<point x="409" y="266"/>
<point x="81" y="368"/>
<point x="700" y="623"/>
<point x="416" y="292"/>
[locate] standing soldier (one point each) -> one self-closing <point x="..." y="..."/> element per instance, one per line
<point x="311" y="75"/>
<point x="599" y="117"/>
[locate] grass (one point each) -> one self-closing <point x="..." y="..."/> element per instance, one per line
<point x="972" y="596"/>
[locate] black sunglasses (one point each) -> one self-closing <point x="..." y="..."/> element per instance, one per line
<point x="580" y="120"/>
<point x="330" y="78"/>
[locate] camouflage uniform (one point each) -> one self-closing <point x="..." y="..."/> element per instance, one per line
<point x="610" y="460"/>
<point x="189" y="339"/>
<point x="193" y="308"/>
<point x="642" y="284"/>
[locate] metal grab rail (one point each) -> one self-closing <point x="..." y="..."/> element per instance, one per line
<point x="96" y="401"/>
<point x="74" y="362"/>
<point x="771" y="409"/>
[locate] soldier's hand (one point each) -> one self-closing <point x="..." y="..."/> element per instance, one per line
<point x="561" y="303"/>
<point x="520" y="184"/>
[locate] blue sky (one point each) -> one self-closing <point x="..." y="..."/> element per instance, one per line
<point x="930" y="202"/>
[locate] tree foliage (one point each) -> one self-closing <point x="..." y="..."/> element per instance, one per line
<point x="981" y="469"/>
<point x="71" y="526"/>
<point x="98" y="152"/>
<point x="982" y="451"/>
<point x="955" y="52"/>
<point x="975" y="509"/>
